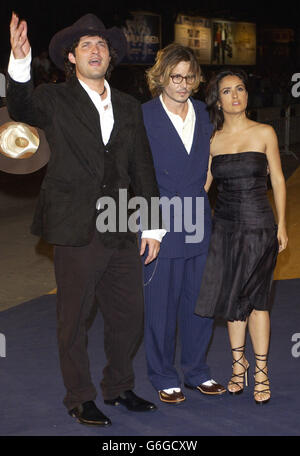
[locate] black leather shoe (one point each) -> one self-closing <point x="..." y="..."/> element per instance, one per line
<point x="132" y="402"/>
<point x="88" y="413"/>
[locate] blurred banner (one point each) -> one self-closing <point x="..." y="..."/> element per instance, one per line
<point x="194" y="32"/>
<point x="234" y="43"/>
<point x="216" y="41"/>
<point x="143" y="34"/>
<point x="277" y="35"/>
<point x="277" y="47"/>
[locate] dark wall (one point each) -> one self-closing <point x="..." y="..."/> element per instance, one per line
<point x="47" y="17"/>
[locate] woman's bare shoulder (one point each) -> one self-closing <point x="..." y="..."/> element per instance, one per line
<point x="263" y="128"/>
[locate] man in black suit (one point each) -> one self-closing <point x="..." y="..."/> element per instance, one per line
<point x="98" y="146"/>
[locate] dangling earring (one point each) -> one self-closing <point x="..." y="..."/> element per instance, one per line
<point x="219" y="107"/>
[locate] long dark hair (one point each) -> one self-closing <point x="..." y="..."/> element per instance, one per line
<point x="212" y="94"/>
<point x="70" y="67"/>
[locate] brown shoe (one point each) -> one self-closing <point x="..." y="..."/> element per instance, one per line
<point x="212" y="389"/>
<point x="172" y="398"/>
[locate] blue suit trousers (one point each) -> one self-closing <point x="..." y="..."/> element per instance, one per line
<point x="171" y="287"/>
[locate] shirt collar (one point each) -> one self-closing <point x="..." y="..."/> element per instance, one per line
<point x="189" y="113"/>
<point x="95" y="95"/>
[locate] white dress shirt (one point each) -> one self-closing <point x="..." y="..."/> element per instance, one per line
<point x="19" y="70"/>
<point x="105" y="109"/>
<point x="185" y="128"/>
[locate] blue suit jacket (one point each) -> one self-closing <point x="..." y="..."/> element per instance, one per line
<point x="180" y="174"/>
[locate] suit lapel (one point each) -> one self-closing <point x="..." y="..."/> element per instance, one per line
<point x="118" y="114"/>
<point x="165" y="132"/>
<point x="196" y="155"/>
<point x="84" y="108"/>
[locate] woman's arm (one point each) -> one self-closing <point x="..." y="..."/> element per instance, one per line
<point x="278" y="183"/>
<point x="209" y="177"/>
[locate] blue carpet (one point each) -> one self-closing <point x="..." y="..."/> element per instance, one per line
<point x="31" y="388"/>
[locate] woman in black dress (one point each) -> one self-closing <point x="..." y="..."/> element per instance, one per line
<point x="245" y="237"/>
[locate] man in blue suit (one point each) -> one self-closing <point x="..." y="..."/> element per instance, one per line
<point x="179" y="132"/>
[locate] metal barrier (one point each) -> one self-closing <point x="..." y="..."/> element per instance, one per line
<point x="286" y="123"/>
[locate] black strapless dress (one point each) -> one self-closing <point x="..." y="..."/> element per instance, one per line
<point x="243" y="249"/>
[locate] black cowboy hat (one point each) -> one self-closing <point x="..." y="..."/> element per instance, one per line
<point x="15" y="136"/>
<point x="89" y="24"/>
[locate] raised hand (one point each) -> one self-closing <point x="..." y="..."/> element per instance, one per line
<point x="18" y="37"/>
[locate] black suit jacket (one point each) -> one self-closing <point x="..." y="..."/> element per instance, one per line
<point x="81" y="168"/>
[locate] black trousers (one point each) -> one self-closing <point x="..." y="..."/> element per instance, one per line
<point x="112" y="278"/>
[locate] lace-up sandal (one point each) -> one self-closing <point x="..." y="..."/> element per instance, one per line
<point x="265" y="391"/>
<point x="241" y="378"/>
